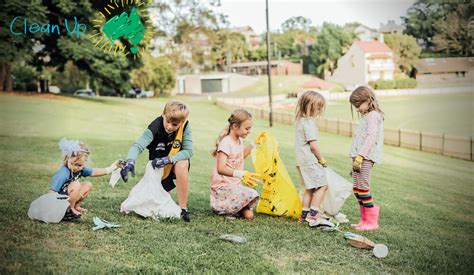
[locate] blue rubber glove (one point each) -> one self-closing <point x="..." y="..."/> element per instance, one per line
<point x="129" y="167"/>
<point x="160" y="162"/>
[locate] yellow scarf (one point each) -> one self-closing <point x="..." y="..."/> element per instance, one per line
<point x="175" y="147"/>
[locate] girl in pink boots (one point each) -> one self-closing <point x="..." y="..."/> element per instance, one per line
<point x="366" y="150"/>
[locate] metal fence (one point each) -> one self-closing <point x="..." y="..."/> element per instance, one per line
<point x="448" y="145"/>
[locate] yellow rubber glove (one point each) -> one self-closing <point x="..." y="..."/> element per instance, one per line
<point x="251" y="179"/>
<point x="357" y="164"/>
<point x="248" y="178"/>
<point x="323" y="162"/>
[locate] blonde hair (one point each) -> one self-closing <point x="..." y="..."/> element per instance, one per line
<point x="364" y="94"/>
<point x="311" y="104"/>
<point x="237" y="117"/>
<point x="176" y="111"/>
<point x="75" y="155"/>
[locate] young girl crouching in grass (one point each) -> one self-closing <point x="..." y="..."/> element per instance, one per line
<point x="67" y="179"/>
<point x="232" y="190"/>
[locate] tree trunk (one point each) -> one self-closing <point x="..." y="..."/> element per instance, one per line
<point x="3" y="75"/>
<point x="8" y="80"/>
<point x="96" y="88"/>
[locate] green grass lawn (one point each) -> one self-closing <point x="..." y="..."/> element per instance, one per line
<point x="427" y="202"/>
<point x="450" y="114"/>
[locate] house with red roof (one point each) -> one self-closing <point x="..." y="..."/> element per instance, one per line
<point x="364" y="61"/>
<point x="317" y="83"/>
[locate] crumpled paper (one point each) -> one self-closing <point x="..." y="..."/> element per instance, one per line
<point x="100" y="224"/>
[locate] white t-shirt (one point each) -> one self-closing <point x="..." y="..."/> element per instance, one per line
<point x="305" y="131"/>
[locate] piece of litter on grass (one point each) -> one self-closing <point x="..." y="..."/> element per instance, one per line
<point x="232" y="238"/>
<point x="100" y="224"/>
<point x="115" y="177"/>
<point x="358" y="241"/>
<point x="380" y="251"/>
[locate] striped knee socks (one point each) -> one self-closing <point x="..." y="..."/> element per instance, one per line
<point x="363" y="197"/>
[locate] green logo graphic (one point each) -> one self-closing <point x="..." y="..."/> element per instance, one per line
<point x="124" y="25"/>
<point x="118" y="27"/>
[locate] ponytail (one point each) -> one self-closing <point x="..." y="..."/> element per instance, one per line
<point x="224" y="133"/>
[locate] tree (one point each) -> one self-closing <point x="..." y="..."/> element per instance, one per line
<point x="332" y="42"/>
<point x="258" y="54"/>
<point x="405" y="50"/>
<point x="16" y="47"/>
<point x="163" y="76"/>
<point x="285" y="43"/>
<point x="71" y="78"/>
<point x="230" y="47"/>
<point x="296" y="23"/>
<point x="156" y="74"/>
<point x="191" y="26"/>
<point x="422" y="17"/>
<point x="104" y="68"/>
<point x="454" y="34"/>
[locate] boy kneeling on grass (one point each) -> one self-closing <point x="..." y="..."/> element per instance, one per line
<point x="170" y="146"/>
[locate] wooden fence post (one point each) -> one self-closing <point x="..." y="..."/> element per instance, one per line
<point x="399" y="137"/>
<point x="442" y="144"/>
<point x="421" y="140"/>
<point x="471" y="148"/>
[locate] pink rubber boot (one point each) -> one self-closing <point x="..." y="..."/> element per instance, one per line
<point x="362" y="217"/>
<point x="371" y="219"/>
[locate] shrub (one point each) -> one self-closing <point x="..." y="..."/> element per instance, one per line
<point x="398" y="76"/>
<point x="372" y="84"/>
<point x="406" y="83"/>
<point x="383" y="84"/>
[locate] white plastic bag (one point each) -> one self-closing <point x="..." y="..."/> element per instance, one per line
<point x="149" y="199"/>
<point x="339" y="189"/>
<point x="49" y="207"/>
<point x="115" y="177"/>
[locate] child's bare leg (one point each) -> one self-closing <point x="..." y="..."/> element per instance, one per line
<point x="74" y="190"/>
<point x="246" y="213"/>
<point x="182" y="182"/>
<point x="318" y="197"/>
<point x="308" y="194"/>
<point x="86" y="188"/>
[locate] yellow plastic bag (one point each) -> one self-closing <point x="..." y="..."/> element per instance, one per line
<point x="279" y="196"/>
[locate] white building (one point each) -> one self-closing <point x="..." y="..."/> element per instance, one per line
<point x="365" y="33"/>
<point x="252" y="39"/>
<point x="450" y="71"/>
<point x="391" y="27"/>
<point x="364" y="61"/>
<point x="197" y="84"/>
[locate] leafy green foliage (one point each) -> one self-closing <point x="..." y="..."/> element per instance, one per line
<point x="442" y="26"/>
<point x="156" y="74"/>
<point x="455" y="34"/>
<point x="405" y="51"/>
<point x="296" y="23"/>
<point x="420" y="20"/>
<point x="332" y="42"/>
<point x="25" y="76"/>
<point x="403" y="83"/>
<point x="382" y="84"/>
<point x="16" y="47"/>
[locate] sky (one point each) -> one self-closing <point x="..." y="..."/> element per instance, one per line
<point x="368" y="12"/>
